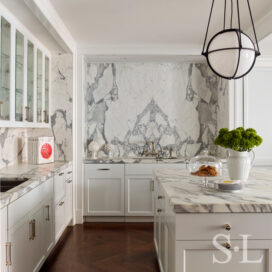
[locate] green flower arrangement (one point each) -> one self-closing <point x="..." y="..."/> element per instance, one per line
<point x="238" y="139"/>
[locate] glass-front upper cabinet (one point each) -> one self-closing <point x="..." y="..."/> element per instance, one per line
<point x="24" y="76"/>
<point x="19" y="76"/>
<point x="5" y="69"/>
<point x="30" y="82"/>
<point x="46" y="91"/>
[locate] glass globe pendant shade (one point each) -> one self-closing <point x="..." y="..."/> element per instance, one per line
<point x="231" y="54"/>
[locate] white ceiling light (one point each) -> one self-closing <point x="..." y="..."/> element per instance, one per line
<point x="231" y="53"/>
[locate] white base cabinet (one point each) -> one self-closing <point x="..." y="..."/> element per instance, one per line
<point x="104" y="190"/>
<point x="31" y="225"/>
<point x="184" y="242"/>
<point x="121" y="190"/>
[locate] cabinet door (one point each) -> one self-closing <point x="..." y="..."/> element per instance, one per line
<point x="39" y="99"/>
<point x="5" y="69"/>
<point x="20" y="238"/>
<point x="46" y="91"/>
<point x="30" y="83"/>
<point x="19" y="76"/>
<point x="104" y="196"/>
<point x="48" y="240"/>
<point x="194" y="256"/>
<point x="3" y="239"/>
<point x="139" y="196"/>
<point x="37" y="243"/>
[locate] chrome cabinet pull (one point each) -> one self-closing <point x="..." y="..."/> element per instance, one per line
<point x="227" y="227"/>
<point x="159" y="210"/>
<point x="152" y="185"/>
<point x="32" y="229"/>
<point x="69" y="180"/>
<point x="61" y="174"/>
<point x="48" y="212"/>
<point x="27" y="113"/>
<point x="103" y="169"/>
<point x="8" y="254"/>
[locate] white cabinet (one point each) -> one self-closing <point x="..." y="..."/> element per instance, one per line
<point x="25" y="77"/>
<point x="139" y="199"/>
<point x="29" y="230"/>
<point x="193" y="256"/>
<point x="4" y="247"/>
<point x="104" y="190"/>
<point x="184" y="242"/>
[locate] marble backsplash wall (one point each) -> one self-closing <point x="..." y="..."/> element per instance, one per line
<point x="178" y="105"/>
<point x="62" y="105"/>
<point x="13" y="144"/>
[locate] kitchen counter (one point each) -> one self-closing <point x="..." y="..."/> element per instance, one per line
<point x="187" y="195"/>
<point x="133" y="160"/>
<point x="37" y="174"/>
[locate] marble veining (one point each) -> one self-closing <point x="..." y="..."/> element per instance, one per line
<point x="176" y="105"/>
<point x="62" y="105"/>
<point x="187" y="194"/>
<point x="37" y="174"/>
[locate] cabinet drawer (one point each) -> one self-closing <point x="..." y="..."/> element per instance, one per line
<point x="104" y="171"/>
<point x="59" y="186"/>
<point x="68" y="173"/>
<point x="60" y="223"/>
<point x="206" y="226"/>
<point x="22" y="206"/>
<point x="146" y="169"/>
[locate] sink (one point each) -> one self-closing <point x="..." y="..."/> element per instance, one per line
<point x="7" y="183"/>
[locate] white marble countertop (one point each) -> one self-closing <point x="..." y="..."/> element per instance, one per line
<point x="187" y="194"/>
<point x="37" y="174"/>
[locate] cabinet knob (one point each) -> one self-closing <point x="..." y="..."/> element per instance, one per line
<point x="61" y="203"/>
<point x="159" y="210"/>
<point x="227" y="227"/>
<point x="227" y="245"/>
<point x="61" y="174"/>
<point x="160" y="197"/>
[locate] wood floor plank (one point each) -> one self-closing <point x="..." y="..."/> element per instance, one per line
<point x="103" y="247"/>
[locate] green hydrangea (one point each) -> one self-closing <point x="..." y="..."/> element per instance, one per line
<point x="238" y="139"/>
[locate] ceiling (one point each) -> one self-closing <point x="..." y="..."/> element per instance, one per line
<point x="147" y="22"/>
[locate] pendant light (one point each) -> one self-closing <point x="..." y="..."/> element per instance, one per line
<point x="231" y="53"/>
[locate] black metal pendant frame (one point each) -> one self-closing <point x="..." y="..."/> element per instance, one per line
<point x="238" y="32"/>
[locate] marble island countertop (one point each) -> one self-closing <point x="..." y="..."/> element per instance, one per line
<point x="188" y="195"/>
<point x="144" y="160"/>
<point x="37" y="174"/>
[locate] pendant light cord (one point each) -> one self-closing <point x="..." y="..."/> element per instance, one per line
<point x="231" y="13"/>
<point x="255" y="36"/>
<point x="224" y="25"/>
<point x="203" y="53"/>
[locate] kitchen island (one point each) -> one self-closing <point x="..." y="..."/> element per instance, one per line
<point x="201" y="229"/>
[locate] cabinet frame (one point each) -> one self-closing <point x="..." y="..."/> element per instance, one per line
<point x="17" y="25"/>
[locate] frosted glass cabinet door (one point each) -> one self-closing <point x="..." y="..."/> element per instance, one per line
<point x="30" y="82"/>
<point x="46" y="91"/>
<point x="39" y="86"/>
<point x="19" y="76"/>
<point x="5" y="70"/>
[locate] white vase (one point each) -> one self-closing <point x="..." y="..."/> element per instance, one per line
<point x="239" y="164"/>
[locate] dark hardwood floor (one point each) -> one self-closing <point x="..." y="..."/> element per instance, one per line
<point x="97" y="247"/>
